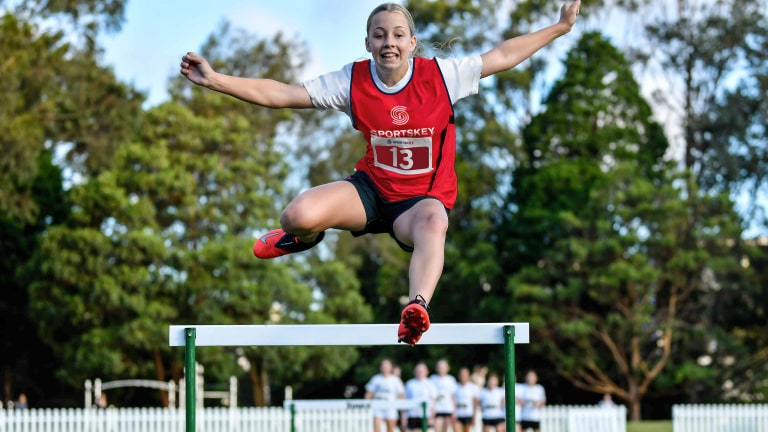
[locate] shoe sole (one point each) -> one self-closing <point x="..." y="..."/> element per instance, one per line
<point x="416" y="325"/>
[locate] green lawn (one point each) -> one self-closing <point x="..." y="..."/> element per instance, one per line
<point x="650" y="426"/>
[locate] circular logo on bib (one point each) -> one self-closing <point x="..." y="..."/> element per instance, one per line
<point x="399" y="115"/>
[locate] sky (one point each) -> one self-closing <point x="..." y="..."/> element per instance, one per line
<point x="148" y="48"/>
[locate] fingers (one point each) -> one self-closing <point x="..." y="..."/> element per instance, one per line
<point x="188" y="60"/>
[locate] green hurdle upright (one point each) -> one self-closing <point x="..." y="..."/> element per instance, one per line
<point x="192" y="336"/>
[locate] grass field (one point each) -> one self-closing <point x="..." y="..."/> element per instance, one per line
<point x="650" y="426"/>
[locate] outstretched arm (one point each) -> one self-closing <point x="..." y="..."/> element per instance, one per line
<point x="512" y="52"/>
<point x="265" y="92"/>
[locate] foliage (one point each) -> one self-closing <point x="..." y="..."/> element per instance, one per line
<point x="605" y="253"/>
<point x="18" y="246"/>
<point x="54" y="94"/>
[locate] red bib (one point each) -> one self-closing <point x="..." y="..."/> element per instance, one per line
<point x="411" y="134"/>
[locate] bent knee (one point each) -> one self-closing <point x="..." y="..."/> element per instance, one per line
<point x="296" y="219"/>
<point x="432" y="222"/>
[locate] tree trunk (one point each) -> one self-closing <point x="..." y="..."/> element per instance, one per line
<point x="258" y="381"/>
<point x="160" y="371"/>
<point x="634" y="400"/>
<point x="634" y="409"/>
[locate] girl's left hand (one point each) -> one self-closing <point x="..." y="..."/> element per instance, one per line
<point x="569" y="11"/>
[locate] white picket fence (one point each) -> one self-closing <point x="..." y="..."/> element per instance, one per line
<point x="720" y="418"/>
<point x="561" y="418"/>
<point x="273" y="419"/>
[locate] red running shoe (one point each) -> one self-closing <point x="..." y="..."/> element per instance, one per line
<point x="278" y="243"/>
<point x="414" y="321"/>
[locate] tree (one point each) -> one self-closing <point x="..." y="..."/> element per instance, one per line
<point x="86" y="17"/>
<point x="19" y="240"/>
<point x="703" y="50"/>
<point x="54" y="96"/>
<point x="603" y="249"/>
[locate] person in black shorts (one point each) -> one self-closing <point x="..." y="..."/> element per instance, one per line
<point x="402" y="105"/>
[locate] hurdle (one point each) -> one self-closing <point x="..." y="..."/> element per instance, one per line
<point x="192" y="336"/>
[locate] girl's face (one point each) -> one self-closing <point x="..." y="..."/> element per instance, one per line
<point x="493" y="382"/>
<point x="390" y="42"/>
<point x="464" y="375"/>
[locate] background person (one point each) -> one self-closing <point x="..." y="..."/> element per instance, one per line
<point x="445" y="406"/>
<point x="534" y="398"/>
<point x="420" y="388"/>
<point x="606" y="401"/>
<point x="491" y="402"/>
<point x="21" y="402"/>
<point x="518" y="405"/>
<point x="385" y="386"/>
<point x="466" y="397"/>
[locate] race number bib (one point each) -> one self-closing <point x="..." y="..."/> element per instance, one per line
<point x="403" y="155"/>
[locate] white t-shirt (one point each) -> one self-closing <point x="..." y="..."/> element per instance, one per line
<point x="465" y="399"/>
<point x="530" y="396"/>
<point x="385" y="388"/>
<point x="492" y="403"/>
<point x="331" y="90"/>
<point x="446" y="389"/>
<point x="518" y="396"/>
<point x="421" y="391"/>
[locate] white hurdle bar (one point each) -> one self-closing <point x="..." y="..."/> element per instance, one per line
<point x="343" y="334"/>
<point x="191" y="336"/>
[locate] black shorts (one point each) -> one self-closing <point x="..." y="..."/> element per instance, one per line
<point x="527" y="424"/>
<point x="415" y="422"/>
<point x="492" y="422"/>
<point x="443" y="414"/>
<point x="380" y="213"/>
<point x="465" y="420"/>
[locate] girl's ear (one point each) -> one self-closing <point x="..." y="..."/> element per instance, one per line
<point x="367" y="46"/>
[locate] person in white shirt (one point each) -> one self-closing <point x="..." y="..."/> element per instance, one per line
<point x="385" y="386"/>
<point x="491" y="402"/>
<point x="532" y="398"/>
<point x="466" y="401"/>
<point x="421" y="389"/>
<point x="606" y="401"/>
<point x="445" y="407"/>
<point x="518" y="406"/>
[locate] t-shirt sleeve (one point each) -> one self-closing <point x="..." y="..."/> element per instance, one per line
<point x="331" y="90"/>
<point x="462" y="75"/>
<point x="371" y="385"/>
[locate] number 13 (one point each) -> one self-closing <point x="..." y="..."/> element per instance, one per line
<point x="407" y="156"/>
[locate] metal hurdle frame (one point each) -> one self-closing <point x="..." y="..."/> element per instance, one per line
<point x="192" y="336"/>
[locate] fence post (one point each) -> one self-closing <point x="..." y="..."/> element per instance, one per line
<point x="232" y="392"/>
<point x="88" y="394"/>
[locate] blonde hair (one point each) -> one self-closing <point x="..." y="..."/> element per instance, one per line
<point x="391" y="7"/>
<point x="394" y="7"/>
